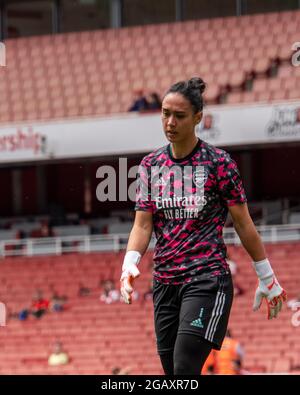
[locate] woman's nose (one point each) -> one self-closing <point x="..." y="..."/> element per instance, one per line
<point x="171" y="121"/>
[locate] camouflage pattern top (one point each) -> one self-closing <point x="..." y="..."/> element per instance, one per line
<point x="189" y="201"/>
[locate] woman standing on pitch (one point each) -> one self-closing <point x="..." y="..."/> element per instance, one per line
<point x="185" y="190"/>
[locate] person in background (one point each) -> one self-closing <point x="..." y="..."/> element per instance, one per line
<point x="57" y="302"/>
<point x="139" y="101"/>
<point x="117" y="371"/>
<point x="237" y="289"/>
<point x="58" y="356"/>
<point x="109" y="293"/>
<point x="209" y="367"/>
<point x="83" y="290"/>
<point x="148" y="295"/>
<point x="40" y="305"/>
<point x="153" y="101"/>
<point x="229" y="359"/>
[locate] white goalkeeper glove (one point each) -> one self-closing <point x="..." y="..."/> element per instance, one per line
<point x="268" y="288"/>
<point x="129" y="273"/>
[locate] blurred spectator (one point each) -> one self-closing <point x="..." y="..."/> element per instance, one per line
<point x="23" y="314"/>
<point x="40" y="305"/>
<point x="46" y="231"/>
<point x="153" y="101"/>
<point x="19" y="246"/>
<point x="209" y="366"/>
<point x="229" y="359"/>
<point x="20" y="234"/>
<point x="207" y="121"/>
<point x="232" y="266"/>
<point x="139" y="101"/>
<point x="121" y="371"/>
<point x="109" y="293"/>
<point x="43" y="231"/>
<point x="83" y="290"/>
<point x="13" y="32"/>
<point x="148" y="295"/>
<point x="58" y="356"/>
<point x="298" y="115"/>
<point x="57" y="302"/>
<point x="238" y="290"/>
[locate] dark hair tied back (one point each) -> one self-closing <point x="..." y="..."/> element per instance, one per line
<point x="197" y="84"/>
<point x="192" y="90"/>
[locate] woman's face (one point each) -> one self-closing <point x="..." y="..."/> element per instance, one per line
<point x="178" y="118"/>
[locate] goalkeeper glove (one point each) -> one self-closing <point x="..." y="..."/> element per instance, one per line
<point x="129" y="273"/>
<point x="268" y="288"/>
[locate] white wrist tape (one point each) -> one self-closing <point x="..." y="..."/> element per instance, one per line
<point x="131" y="257"/>
<point x="263" y="269"/>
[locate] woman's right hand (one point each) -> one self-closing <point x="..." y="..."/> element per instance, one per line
<point x="129" y="273"/>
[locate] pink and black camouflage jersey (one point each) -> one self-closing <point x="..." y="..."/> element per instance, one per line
<point x="189" y="200"/>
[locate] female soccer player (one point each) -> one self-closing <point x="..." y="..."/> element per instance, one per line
<point x="185" y="190"/>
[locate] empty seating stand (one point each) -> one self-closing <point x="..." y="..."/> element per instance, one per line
<point x="94" y="73"/>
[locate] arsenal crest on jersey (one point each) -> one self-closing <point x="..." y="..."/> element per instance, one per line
<point x="200" y="176"/>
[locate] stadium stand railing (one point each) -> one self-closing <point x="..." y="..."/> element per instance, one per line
<point x="117" y="242"/>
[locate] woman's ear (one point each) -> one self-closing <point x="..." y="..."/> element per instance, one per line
<point x="198" y="116"/>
